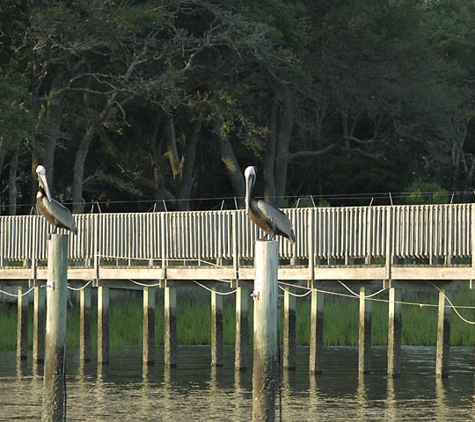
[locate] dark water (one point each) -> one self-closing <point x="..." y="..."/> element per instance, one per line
<point x="124" y="390"/>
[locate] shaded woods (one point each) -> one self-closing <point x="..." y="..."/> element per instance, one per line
<point x="140" y="105"/>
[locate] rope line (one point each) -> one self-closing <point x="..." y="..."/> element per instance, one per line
<point x="17" y="295"/>
<point x="143" y="284"/>
<point x="357" y="295"/>
<point x="78" y="289"/>
<point x="214" y="291"/>
<point x="294" y="294"/>
<point x="452" y="305"/>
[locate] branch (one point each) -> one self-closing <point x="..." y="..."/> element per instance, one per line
<point x="296" y="155"/>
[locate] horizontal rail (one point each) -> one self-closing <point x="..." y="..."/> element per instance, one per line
<point x="348" y="233"/>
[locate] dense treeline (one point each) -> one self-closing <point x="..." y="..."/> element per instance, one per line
<point x="136" y="104"/>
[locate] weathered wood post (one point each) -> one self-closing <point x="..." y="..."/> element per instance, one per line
<point x="85" y="324"/>
<point x="39" y="321"/>
<point x="148" y="353"/>
<point x="316" y="332"/>
<point x="54" y="387"/>
<point x="22" y="325"/>
<point x="289" y="335"/>
<point x="216" y="329"/>
<point x="394" y="333"/>
<point x="242" y="329"/>
<point x="364" y="355"/>
<point x="103" y="325"/>
<point x="170" y="336"/>
<point x="443" y="337"/>
<point x="264" y="384"/>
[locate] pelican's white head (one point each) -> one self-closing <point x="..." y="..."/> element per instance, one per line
<point x="250" y="176"/>
<point x="41" y="172"/>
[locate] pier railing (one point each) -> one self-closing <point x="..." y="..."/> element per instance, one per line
<point x="333" y="233"/>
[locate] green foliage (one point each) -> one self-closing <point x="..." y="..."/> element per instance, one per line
<point x="420" y="192"/>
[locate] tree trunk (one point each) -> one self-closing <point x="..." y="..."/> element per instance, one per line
<point x="282" y="159"/>
<point x="50" y="112"/>
<point x="156" y="141"/>
<point x="12" y="188"/>
<point x="271" y="146"/>
<point x="81" y="155"/>
<point x="2" y="159"/>
<point x="187" y="166"/>
<point x="169" y="134"/>
<point x="229" y="160"/>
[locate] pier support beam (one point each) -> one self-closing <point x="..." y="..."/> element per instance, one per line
<point x="264" y="382"/>
<point x="22" y="325"/>
<point x="316" y="332"/>
<point x="148" y="353"/>
<point x="364" y="355"/>
<point x="39" y="322"/>
<point x="216" y="329"/>
<point x="85" y="324"/>
<point x="54" y="393"/>
<point x="394" y="333"/>
<point x="289" y="338"/>
<point x="242" y="328"/>
<point x="443" y="337"/>
<point x="170" y="337"/>
<point x="103" y="325"/>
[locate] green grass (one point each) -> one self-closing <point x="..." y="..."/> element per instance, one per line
<point x="341" y="316"/>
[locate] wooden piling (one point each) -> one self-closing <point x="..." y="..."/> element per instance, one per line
<point x="148" y="326"/>
<point x="170" y="336"/>
<point x="22" y="325"/>
<point x="264" y="385"/>
<point x="85" y="324"/>
<point x="242" y="328"/>
<point x="394" y="333"/>
<point x="316" y="332"/>
<point x="54" y="387"/>
<point x="364" y="355"/>
<point x="289" y="335"/>
<point x="216" y="329"/>
<point x="443" y="337"/>
<point x="103" y="325"/>
<point x="39" y="322"/>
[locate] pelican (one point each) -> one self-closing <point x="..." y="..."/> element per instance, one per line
<point x="270" y="219"/>
<point x="53" y="211"/>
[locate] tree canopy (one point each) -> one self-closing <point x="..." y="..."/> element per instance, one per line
<point x="161" y="104"/>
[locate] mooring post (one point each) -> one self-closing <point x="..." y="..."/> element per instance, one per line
<point x="170" y="336"/>
<point x="394" y="333"/>
<point x="289" y="335"/>
<point x="216" y="329"/>
<point x="85" y="324"/>
<point x="148" y="326"/>
<point x="242" y="328"/>
<point x="443" y="337"/>
<point x="22" y="325"/>
<point x="103" y="325"/>
<point x="364" y="355"/>
<point x="54" y="387"/>
<point x="264" y="384"/>
<point x="316" y="332"/>
<point x="39" y="321"/>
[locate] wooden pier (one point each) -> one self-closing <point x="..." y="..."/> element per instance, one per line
<point x="367" y="248"/>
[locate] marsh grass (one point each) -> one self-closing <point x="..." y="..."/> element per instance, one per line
<point x="341" y="316"/>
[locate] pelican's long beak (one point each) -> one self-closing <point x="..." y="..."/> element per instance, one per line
<point x="44" y="183"/>
<point x="249" y="185"/>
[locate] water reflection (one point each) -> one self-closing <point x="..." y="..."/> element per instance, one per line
<point x="128" y="390"/>
<point x="390" y="401"/>
<point x="361" y="397"/>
